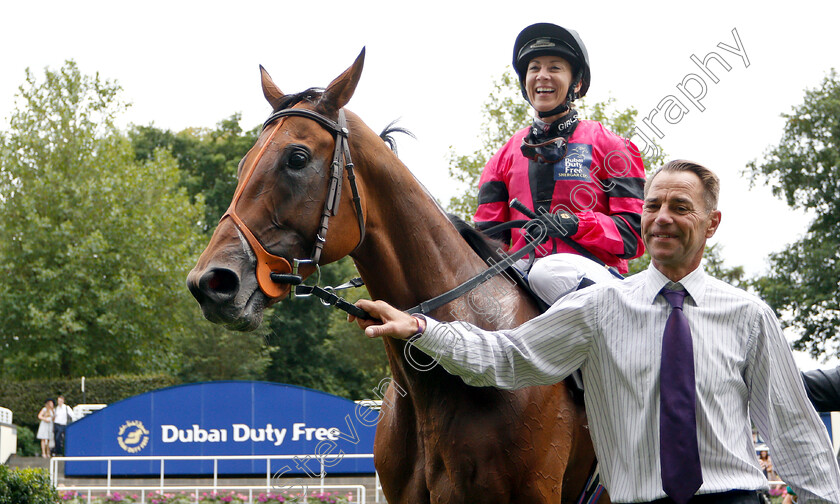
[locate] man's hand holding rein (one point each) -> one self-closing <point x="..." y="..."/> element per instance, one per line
<point x="387" y="321"/>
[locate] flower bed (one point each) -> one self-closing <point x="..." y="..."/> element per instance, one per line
<point x="154" y="497"/>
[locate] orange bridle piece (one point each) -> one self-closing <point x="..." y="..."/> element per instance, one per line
<point x="267" y="263"/>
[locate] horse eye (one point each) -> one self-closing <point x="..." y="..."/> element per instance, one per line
<point x="297" y="160"/>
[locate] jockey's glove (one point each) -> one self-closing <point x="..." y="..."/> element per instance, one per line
<point x="551" y="225"/>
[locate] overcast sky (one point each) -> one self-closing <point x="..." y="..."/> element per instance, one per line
<point x="431" y="64"/>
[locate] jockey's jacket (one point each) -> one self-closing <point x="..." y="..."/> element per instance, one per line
<point x="601" y="180"/>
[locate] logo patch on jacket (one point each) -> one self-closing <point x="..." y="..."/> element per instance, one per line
<point x="576" y="164"/>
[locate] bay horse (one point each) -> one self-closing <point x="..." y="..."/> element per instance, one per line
<point x="437" y="440"/>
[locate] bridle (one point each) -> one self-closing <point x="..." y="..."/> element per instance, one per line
<point x="275" y="275"/>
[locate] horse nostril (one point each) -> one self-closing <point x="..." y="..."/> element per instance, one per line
<point x="220" y="283"/>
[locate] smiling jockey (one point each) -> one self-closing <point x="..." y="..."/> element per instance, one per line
<point x="584" y="181"/>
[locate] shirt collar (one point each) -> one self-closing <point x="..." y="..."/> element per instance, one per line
<point x="694" y="283"/>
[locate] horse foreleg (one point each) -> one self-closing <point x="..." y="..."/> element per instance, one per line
<point x="398" y="456"/>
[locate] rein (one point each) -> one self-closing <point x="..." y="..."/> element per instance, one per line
<point x="328" y="298"/>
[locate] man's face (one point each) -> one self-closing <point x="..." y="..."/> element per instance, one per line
<point x="675" y="223"/>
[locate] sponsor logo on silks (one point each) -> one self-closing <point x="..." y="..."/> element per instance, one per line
<point x="133" y="436"/>
<point x="575" y="166"/>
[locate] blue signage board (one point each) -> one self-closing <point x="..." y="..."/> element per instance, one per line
<point x="225" y="418"/>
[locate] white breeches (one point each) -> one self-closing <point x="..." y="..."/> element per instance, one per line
<point x="554" y="276"/>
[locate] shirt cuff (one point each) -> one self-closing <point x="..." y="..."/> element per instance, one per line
<point x="435" y="339"/>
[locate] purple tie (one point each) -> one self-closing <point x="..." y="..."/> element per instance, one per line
<point x="678" y="451"/>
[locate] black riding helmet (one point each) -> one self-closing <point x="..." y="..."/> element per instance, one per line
<point x="543" y="39"/>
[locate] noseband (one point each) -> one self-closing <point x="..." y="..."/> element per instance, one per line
<point x="275" y="275"/>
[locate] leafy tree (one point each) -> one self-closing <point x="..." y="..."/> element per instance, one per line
<point x="208" y="159"/>
<point x="804" y="168"/>
<point x="506" y="112"/>
<point x="94" y="246"/>
<point x="714" y="266"/>
<point x="212" y="352"/>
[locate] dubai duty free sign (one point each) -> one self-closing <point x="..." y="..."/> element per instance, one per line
<point x="225" y="418"/>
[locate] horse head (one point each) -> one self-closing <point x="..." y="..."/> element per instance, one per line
<point x="288" y="196"/>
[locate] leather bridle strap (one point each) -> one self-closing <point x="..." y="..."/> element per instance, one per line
<point x="267" y="264"/>
<point x="275" y="275"/>
<point x="341" y="161"/>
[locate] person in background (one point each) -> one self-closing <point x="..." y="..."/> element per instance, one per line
<point x="45" y="427"/>
<point x="670" y="409"/>
<point x="766" y="465"/>
<point x="63" y="415"/>
<point x="583" y="181"/>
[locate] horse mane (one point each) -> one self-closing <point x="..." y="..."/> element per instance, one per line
<point x="387" y="134"/>
<point x="490" y="251"/>
<point x="310" y="95"/>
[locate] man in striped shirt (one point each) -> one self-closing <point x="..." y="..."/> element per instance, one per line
<point x="743" y="368"/>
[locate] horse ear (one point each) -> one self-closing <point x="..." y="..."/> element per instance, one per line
<point x="270" y="90"/>
<point x="339" y="92"/>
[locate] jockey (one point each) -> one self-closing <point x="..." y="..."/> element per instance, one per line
<point x="584" y="182"/>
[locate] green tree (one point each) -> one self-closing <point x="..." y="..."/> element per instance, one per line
<point x="804" y="168"/>
<point x="208" y="159"/>
<point x="506" y="112"/>
<point x="212" y="352"/>
<point x="94" y="246"/>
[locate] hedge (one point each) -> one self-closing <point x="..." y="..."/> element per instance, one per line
<point x="27" y="445"/>
<point x="26" y="486"/>
<point x="26" y="398"/>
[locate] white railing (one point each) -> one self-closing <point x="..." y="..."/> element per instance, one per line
<point x="5" y="416"/>
<point x="109" y="487"/>
<point x="8" y="435"/>
<point x="83" y="410"/>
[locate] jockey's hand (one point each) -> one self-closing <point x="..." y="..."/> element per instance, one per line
<point x="391" y="321"/>
<point x="552" y="225"/>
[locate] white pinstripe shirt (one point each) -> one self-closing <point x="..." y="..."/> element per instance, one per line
<point x="613" y="332"/>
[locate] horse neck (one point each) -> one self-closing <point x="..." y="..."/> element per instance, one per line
<point x="412" y="252"/>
